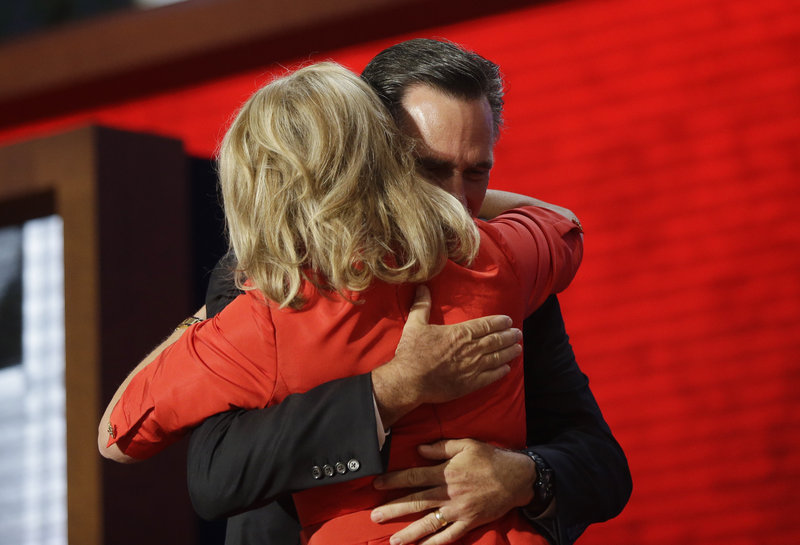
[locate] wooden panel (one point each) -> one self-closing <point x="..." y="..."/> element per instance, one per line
<point x="65" y="165"/>
<point x="133" y="53"/>
<point x="119" y="194"/>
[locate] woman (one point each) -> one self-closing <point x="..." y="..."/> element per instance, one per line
<point x="332" y="227"/>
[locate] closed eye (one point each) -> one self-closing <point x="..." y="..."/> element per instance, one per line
<point x="434" y="168"/>
<point x="477" y="173"/>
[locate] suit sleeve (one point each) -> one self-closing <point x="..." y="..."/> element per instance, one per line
<point x="239" y="460"/>
<point x="567" y="429"/>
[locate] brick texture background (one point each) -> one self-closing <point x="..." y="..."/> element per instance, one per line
<point x="672" y="128"/>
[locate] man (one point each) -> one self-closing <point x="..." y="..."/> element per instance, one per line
<point x="574" y="472"/>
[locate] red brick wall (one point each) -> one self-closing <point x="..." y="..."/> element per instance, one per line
<point x="673" y="130"/>
<point x="672" y="127"/>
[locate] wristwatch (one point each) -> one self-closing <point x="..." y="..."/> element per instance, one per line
<point x="542" y="488"/>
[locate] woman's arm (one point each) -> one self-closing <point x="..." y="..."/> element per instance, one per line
<point x="113" y="452"/>
<point x="229" y="362"/>
<point x="497" y="202"/>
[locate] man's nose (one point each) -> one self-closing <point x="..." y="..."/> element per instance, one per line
<point x="454" y="184"/>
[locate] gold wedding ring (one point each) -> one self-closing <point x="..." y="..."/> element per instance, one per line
<point x="440" y="518"/>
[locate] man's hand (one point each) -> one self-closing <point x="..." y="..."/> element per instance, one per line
<point x="438" y="363"/>
<point x="476" y="484"/>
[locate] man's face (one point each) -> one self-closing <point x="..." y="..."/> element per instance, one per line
<point x="456" y="150"/>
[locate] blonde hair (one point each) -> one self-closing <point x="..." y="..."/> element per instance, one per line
<point x="319" y="185"/>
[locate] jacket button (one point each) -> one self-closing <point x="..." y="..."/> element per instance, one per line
<point x="341" y="469"/>
<point x="353" y="465"/>
<point x="316" y="472"/>
<point x="328" y="470"/>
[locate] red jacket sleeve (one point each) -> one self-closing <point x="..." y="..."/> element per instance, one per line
<point x="216" y="365"/>
<point x="544" y="248"/>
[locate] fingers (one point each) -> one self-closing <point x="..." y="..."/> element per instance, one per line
<point x="421" y="308"/>
<point x="480" y="327"/>
<point x="444" y="449"/>
<point x="488" y="376"/>
<point x="503" y="339"/>
<point x="417" y="502"/>
<point x="429" y="525"/>
<point x="415" y="477"/>
<point x="502" y="347"/>
<point x="501" y="356"/>
<point x="448" y="534"/>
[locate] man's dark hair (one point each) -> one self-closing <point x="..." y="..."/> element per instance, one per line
<point x="442" y="65"/>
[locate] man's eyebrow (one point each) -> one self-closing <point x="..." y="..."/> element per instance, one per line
<point x="434" y="163"/>
<point x="430" y="161"/>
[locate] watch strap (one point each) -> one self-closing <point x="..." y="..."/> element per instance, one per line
<point x="543" y="487"/>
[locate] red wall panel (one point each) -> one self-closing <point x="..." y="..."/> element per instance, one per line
<point x="673" y="129"/>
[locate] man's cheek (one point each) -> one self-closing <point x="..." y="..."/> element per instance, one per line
<point x="475" y="200"/>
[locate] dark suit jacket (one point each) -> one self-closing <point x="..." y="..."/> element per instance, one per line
<point x="239" y="462"/>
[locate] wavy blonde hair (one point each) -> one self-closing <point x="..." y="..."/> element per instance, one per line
<point x="319" y="185"/>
